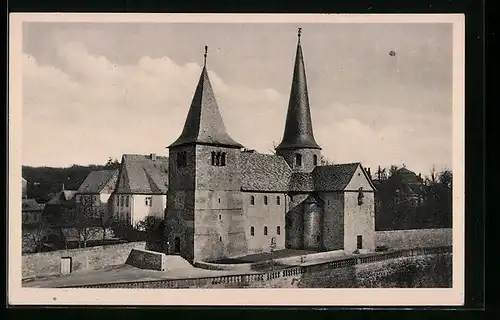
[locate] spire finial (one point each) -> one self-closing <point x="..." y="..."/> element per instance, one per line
<point x="205" y="55"/>
<point x="299" y="33"/>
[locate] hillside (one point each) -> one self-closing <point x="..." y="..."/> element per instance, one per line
<point x="44" y="181"/>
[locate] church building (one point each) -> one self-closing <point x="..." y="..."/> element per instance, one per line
<point x="224" y="201"/>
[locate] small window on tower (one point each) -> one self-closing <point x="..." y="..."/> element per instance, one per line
<point x="315" y="160"/>
<point x="252" y="200"/>
<point x="298" y="160"/>
<point x="278" y="230"/>
<point x="223" y="159"/>
<point x="265" y="200"/>
<point x="252" y="231"/>
<point x="265" y="231"/>
<point x="213" y="158"/>
<point x="217" y="159"/>
<point x="278" y="202"/>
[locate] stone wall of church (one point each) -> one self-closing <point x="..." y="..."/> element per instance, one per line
<point x="307" y="158"/>
<point x="295" y="221"/>
<point x="219" y="225"/>
<point x="359" y="220"/>
<point x="260" y="215"/>
<point x="179" y="218"/>
<point x="219" y="228"/>
<point x="333" y="220"/>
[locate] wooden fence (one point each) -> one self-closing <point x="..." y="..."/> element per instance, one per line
<point x="240" y="280"/>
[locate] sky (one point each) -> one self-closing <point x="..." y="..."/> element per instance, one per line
<point x="97" y="90"/>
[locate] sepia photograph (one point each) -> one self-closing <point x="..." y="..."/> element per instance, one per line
<point x="156" y="152"/>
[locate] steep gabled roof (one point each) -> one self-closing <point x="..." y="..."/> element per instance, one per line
<point x="408" y="177"/>
<point x="204" y="124"/>
<point x="264" y="172"/>
<point x="334" y="177"/>
<point x="298" y="126"/>
<point x="140" y="174"/>
<point x="97" y="181"/>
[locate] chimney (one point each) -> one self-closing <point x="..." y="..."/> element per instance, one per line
<point x="369" y="172"/>
<point x="153" y="156"/>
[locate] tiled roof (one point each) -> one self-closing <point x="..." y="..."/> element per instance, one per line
<point x="143" y="175"/>
<point x="204" y="122"/>
<point x="31" y="205"/>
<point x="334" y="177"/>
<point x="264" y="172"/>
<point x="96" y="181"/>
<point x="298" y="127"/>
<point x="301" y="182"/>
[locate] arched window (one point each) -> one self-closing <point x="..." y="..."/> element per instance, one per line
<point x="223" y="159"/>
<point x="278" y="230"/>
<point x="315" y="160"/>
<point x="265" y="200"/>
<point x="298" y="160"/>
<point x="252" y="231"/>
<point x="252" y="200"/>
<point x="278" y="202"/>
<point x="213" y="158"/>
<point x="127" y="201"/>
<point x="220" y="238"/>
<point x="265" y="231"/>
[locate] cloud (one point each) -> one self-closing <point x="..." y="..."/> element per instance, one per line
<point x="87" y="109"/>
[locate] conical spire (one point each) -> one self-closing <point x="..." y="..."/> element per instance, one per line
<point x="298" y="126"/>
<point x="204" y="124"/>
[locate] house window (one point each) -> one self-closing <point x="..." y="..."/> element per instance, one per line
<point x="219" y="159"/>
<point x="149" y="201"/>
<point x="265" y="200"/>
<point x="298" y="160"/>
<point x="121" y="201"/>
<point x="220" y="238"/>
<point x="220" y="217"/>
<point x="252" y="200"/>
<point x="278" y="200"/>
<point x="278" y="230"/>
<point x="315" y="160"/>
<point x="252" y="231"/>
<point x="181" y="159"/>
<point x="265" y="231"/>
<point x="218" y="200"/>
<point x="127" y="201"/>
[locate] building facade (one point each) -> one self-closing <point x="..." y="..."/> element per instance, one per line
<point x="225" y="201"/>
<point x="141" y="188"/>
<point x="95" y="192"/>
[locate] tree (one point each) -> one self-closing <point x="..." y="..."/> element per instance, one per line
<point x="85" y="218"/>
<point x="392" y="170"/>
<point x="445" y="178"/>
<point x="112" y="164"/>
<point x="33" y="237"/>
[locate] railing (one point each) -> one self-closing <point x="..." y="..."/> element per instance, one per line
<point x="243" y="279"/>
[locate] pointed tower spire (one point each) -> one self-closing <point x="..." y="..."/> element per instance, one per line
<point x="298" y="127"/>
<point x="204" y="124"/>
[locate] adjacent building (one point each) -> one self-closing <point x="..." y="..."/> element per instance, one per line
<point x="32" y="212"/>
<point x="96" y="191"/>
<point x="225" y="201"/>
<point x="141" y="188"/>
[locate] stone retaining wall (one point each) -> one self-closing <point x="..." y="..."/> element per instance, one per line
<point x="49" y="263"/>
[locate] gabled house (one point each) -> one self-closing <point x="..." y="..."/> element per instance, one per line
<point x="141" y="188"/>
<point x="32" y="212"/>
<point x="54" y="208"/>
<point x="96" y="191"/>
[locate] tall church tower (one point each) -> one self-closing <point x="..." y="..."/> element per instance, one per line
<point x="204" y="215"/>
<point x="298" y="145"/>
